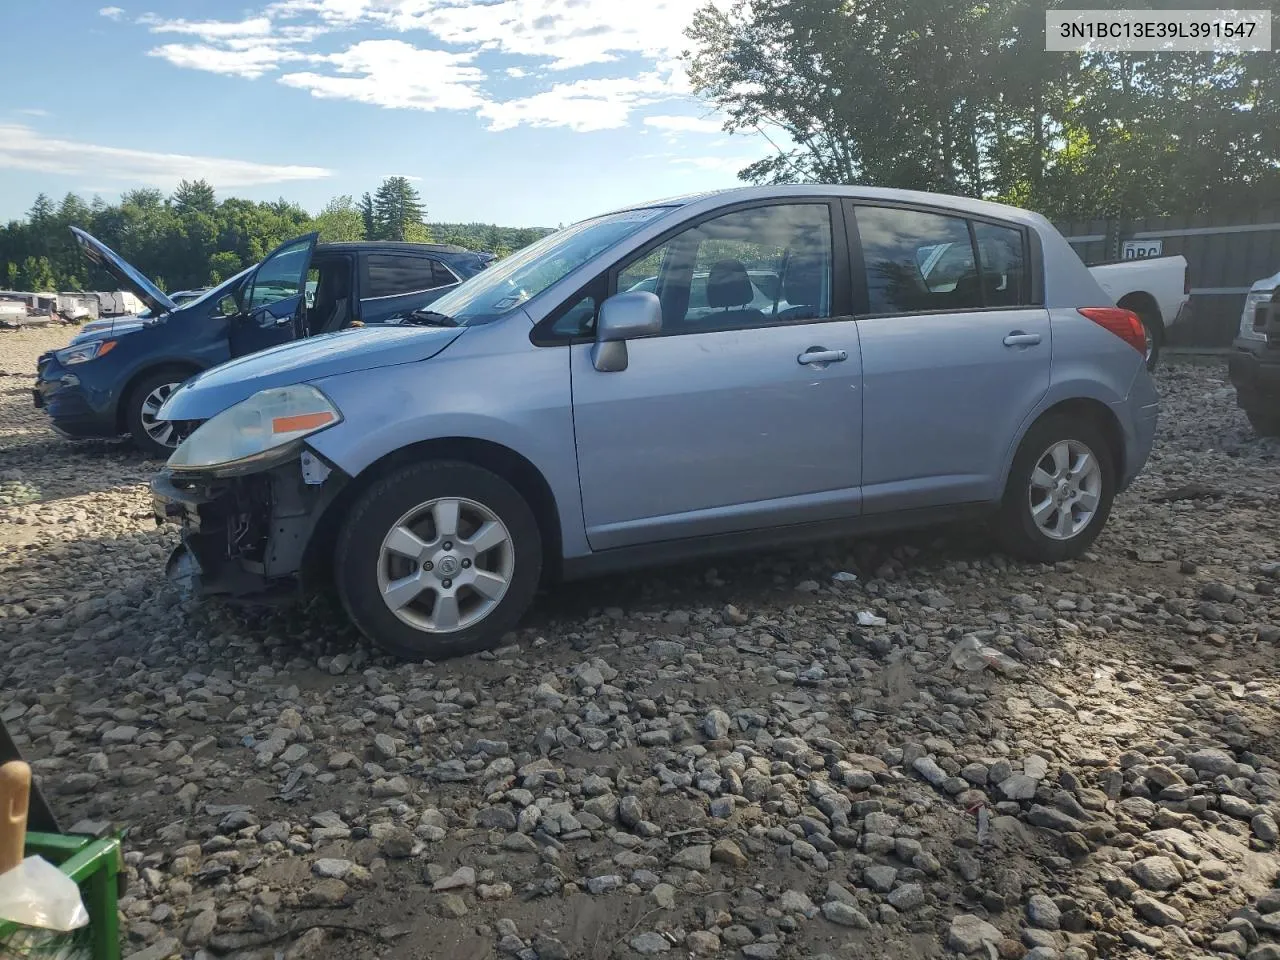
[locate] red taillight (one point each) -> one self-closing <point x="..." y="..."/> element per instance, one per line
<point x="1125" y="324"/>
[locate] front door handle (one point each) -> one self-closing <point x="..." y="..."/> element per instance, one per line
<point x="1020" y="339"/>
<point x="819" y="355"/>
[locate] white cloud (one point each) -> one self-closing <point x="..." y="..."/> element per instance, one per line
<point x="730" y="165"/>
<point x="24" y="149"/>
<point x="392" y="73"/>
<point x="210" y="29"/>
<point x="681" y="124"/>
<point x="640" y="40"/>
<point x="35" y="112"/>
<point x="407" y="176"/>
<point x="111" y="13"/>
<point x="584" y="105"/>
<point x="250" y="61"/>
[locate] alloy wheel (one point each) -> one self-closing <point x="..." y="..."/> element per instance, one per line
<point x="445" y="565"/>
<point x="162" y="432"/>
<point x="1065" y="489"/>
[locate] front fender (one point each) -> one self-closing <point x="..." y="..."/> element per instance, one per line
<point x="519" y="400"/>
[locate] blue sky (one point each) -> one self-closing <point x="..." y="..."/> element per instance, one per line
<point x="517" y="112"/>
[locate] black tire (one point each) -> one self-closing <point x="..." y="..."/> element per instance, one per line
<point x="1265" y="423"/>
<point x="134" y="415"/>
<point x="1155" y="338"/>
<point x="1018" y="530"/>
<point x="358" y="558"/>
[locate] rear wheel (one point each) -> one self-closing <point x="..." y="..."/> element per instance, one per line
<point x="155" y="438"/>
<point x="438" y="559"/>
<point x="1059" y="492"/>
<point x="1265" y="423"/>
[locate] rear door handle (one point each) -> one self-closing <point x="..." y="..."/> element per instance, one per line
<point x="819" y="355"/>
<point x="1020" y="339"/>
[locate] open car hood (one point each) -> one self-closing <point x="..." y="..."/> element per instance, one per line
<point x="330" y="354"/>
<point x="124" y="272"/>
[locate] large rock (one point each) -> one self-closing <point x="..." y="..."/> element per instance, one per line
<point x="1157" y="873"/>
<point x="970" y="934"/>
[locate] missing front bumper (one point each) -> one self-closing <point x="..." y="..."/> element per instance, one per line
<point x="244" y="536"/>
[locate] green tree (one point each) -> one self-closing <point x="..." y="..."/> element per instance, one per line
<point x="397" y="210"/>
<point x="959" y="97"/>
<point x="223" y="265"/>
<point x="369" y="216"/>
<point x="341" y="219"/>
<point x="195" y="196"/>
<point x="36" y="275"/>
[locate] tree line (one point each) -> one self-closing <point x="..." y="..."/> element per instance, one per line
<point x="191" y="238"/>
<point x="952" y="96"/>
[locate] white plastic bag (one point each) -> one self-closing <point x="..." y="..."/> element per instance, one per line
<point x="972" y="655"/>
<point x="35" y="893"/>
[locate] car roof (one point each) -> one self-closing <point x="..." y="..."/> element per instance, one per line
<point x="945" y="201"/>
<point x="390" y="246"/>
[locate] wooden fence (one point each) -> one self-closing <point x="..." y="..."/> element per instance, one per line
<point x="1225" y="255"/>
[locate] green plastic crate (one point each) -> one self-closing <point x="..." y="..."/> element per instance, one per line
<point x="97" y="867"/>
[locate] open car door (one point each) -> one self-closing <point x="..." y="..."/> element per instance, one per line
<point x="273" y="304"/>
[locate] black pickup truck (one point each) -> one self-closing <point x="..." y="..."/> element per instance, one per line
<point x="1255" y="365"/>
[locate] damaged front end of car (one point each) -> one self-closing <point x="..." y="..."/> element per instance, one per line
<point x="248" y="495"/>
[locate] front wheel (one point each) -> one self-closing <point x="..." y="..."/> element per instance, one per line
<point x="1059" y="492"/>
<point x="438" y="559"/>
<point x="155" y="438"/>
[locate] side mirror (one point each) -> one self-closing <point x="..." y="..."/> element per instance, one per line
<point x="623" y="317"/>
<point x="227" y="306"/>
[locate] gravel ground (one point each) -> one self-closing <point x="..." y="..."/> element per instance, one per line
<point x="702" y="761"/>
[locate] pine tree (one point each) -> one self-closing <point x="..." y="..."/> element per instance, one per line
<point x="195" y="196"/>
<point x="369" y="216"/>
<point x="398" y="210"/>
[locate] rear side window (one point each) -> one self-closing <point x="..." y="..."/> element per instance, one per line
<point x="916" y="261"/>
<point x="1004" y="265"/>
<point x="389" y="275"/>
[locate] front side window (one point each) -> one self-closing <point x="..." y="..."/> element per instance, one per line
<point x="749" y="268"/>
<point x="280" y="276"/>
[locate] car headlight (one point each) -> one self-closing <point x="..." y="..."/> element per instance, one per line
<point x="81" y="352"/>
<point x="1255" y="299"/>
<point x="262" y="430"/>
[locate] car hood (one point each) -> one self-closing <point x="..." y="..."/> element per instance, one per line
<point x="124" y="272"/>
<point x="327" y="355"/>
<point x="106" y="329"/>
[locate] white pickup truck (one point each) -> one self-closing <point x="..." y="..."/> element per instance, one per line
<point x="1156" y="289"/>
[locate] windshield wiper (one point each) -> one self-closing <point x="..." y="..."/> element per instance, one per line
<point x="430" y="318"/>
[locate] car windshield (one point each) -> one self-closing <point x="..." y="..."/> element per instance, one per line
<point x="507" y="284"/>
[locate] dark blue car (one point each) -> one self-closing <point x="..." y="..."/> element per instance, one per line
<point x="112" y="379"/>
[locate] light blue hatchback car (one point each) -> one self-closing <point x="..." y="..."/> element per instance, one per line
<point x="752" y="367"/>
